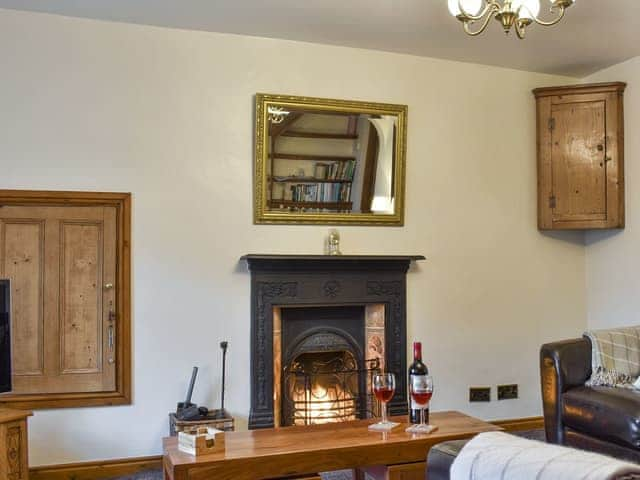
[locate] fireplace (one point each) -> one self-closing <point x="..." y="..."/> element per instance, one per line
<point x="321" y="326"/>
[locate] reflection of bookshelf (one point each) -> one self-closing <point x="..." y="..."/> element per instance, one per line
<point x="328" y="185"/>
<point x="310" y="205"/>
<point x="331" y="136"/>
<point x="308" y="180"/>
<point x="312" y="158"/>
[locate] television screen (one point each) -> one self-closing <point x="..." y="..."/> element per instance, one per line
<point x="5" y="338"/>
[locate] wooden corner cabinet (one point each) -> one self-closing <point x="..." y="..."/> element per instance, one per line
<point x="580" y="156"/>
<point x="14" y="460"/>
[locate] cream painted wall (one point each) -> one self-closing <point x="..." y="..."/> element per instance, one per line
<point x="168" y="115"/>
<point x="612" y="260"/>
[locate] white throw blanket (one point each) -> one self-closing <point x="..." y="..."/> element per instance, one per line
<point x="500" y="456"/>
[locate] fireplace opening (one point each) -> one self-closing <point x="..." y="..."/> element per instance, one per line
<point x="324" y="359"/>
<point x="327" y="387"/>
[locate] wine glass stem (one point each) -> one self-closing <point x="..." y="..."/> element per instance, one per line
<point x="422" y="416"/>
<point x="384" y="412"/>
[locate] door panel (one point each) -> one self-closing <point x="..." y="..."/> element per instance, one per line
<point x="578" y="151"/>
<point x="81" y="299"/>
<point x="22" y="258"/>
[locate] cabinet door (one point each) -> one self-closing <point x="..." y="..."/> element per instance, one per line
<point x="580" y="147"/>
<point x="62" y="265"/>
<point x="578" y="152"/>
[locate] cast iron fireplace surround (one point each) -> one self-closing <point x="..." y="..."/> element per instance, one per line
<point x="320" y="280"/>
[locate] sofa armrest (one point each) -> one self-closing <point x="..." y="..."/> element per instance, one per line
<point x="563" y="365"/>
<point x="441" y="457"/>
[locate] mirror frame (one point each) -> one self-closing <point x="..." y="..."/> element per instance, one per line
<point x="262" y="215"/>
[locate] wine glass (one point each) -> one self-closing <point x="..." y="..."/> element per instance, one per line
<point x="421" y="391"/>
<point x="384" y="386"/>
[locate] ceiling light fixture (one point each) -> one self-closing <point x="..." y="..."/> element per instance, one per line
<point x="518" y="14"/>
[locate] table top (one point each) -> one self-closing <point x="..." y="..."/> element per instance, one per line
<point x="298" y="450"/>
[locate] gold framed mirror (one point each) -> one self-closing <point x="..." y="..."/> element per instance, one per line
<point x="327" y="162"/>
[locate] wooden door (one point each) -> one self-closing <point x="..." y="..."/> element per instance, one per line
<point x="578" y="152"/>
<point x="61" y="261"/>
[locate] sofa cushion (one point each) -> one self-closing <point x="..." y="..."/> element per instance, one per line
<point x="609" y="413"/>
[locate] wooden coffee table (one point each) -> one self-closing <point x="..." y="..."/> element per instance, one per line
<point x="299" y="451"/>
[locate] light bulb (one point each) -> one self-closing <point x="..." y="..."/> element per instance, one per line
<point x="528" y="8"/>
<point x="470" y="6"/>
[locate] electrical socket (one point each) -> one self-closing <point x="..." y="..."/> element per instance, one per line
<point x="480" y="394"/>
<point x="507" y="392"/>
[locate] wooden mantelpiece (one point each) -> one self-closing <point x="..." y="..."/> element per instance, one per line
<point x="323" y="280"/>
<point x="299" y="451"/>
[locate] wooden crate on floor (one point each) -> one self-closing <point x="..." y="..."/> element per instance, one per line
<point x="219" y="419"/>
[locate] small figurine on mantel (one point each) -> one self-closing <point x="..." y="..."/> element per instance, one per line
<point x="333" y="243"/>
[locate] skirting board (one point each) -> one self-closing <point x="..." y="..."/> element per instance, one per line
<point x="128" y="466"/>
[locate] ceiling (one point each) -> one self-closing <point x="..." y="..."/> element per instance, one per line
<point x="594" y="34"/>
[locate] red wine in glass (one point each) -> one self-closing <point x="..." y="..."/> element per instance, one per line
<point x="383" y="386"/>
<point x="421" y="390"/>
<point x="421" y="398"/>
<point x="384" y="394"/>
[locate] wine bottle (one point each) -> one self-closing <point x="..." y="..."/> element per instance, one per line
<point x="417" y="368"/>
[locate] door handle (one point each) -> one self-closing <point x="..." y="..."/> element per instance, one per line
<point x="111" y="332"/>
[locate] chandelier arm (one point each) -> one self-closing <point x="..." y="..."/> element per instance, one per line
<point x="561" y="12"/>
<point x="482" y="28"/>
<point x="520" y="29"/>
<point x="490" y="7"/>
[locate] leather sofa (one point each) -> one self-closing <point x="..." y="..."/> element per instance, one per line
<point x="441" y="457"/>
<point x="601" y="419"/>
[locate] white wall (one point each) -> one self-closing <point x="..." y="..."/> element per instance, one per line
<point x="612" y="259"/>
<point x="168" y="115"/>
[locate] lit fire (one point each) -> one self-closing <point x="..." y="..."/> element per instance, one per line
<point x="323" y="405"/>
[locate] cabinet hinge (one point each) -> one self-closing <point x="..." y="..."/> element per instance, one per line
<point x="552" y="124"/>
<point x="552" y="201"/>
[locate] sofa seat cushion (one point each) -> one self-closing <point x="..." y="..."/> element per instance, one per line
<point x="609" y="413"/>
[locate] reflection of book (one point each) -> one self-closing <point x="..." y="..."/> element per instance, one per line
<point x="320" y="170"/>
<point x="278" y="191"/>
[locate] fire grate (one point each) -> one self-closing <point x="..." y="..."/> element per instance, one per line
<point x="328" y="390"/>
